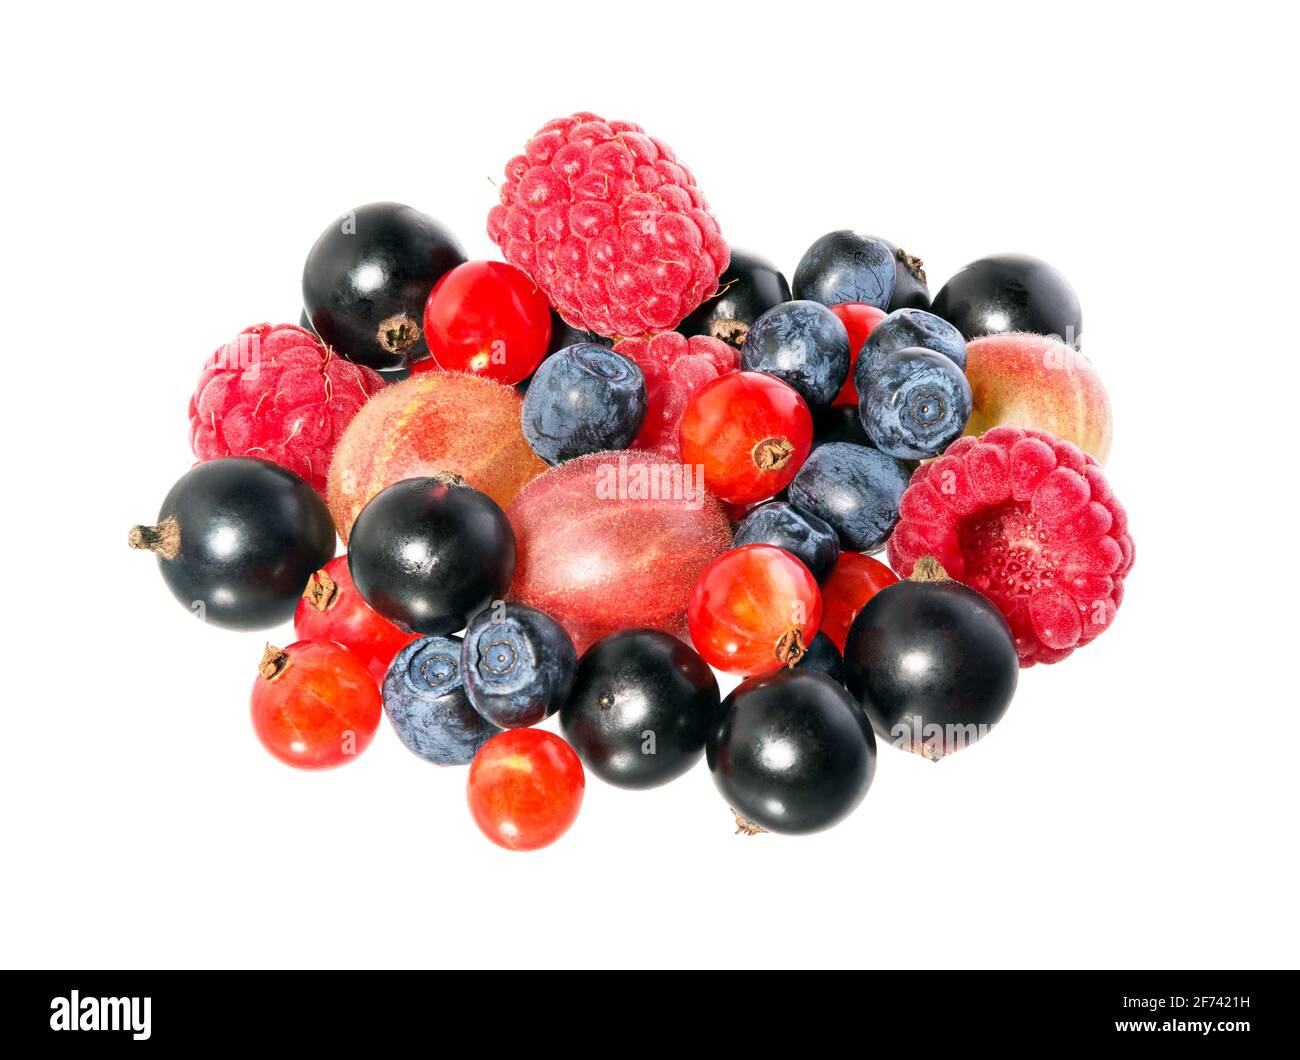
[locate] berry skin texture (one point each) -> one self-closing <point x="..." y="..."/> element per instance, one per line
<point x="583" y="400"/>
<point x="314" y="704"/>
<point x="916" y="404"/>
<point x="803" y="344"/>
<point x="236" y="541"/>
<point x="365" y="282"/>
<point x="911" y="290"/>
<point x="426" y="702"/>
<point x="436" y="423"/>
<point x="610" y="225"/>
<point x="844" y="266"/>
<point x="932" y="663"/>
<point x="615" y="540"/>
<point x="859" y="321"/>
<point x="748" y="289"/>
<point x="1028" y="520"/>
<point x="674" y="368"/>
<point x="809" y="539"/>
<point x="429" y="554"/>
<point x="755" y="609"/>
<point x="855" y="580"/>
<point x="907" y="329"/>
<point x="276" y="393"/>
<point x="855" y="489"/>
<point x="1011" y="292"/>
<point x="641" y="709"/>
<point x="750" y="432"/>
<point x="525" y="788"/>
<point x="486" y="318"/>
<point x="518" y="664"/>
<point x="792" y="754"/>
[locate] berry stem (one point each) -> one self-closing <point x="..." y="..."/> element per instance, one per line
<point x="746" y="827"/>
<point x="791" y="648"/>
<point x="772" y="454"/>
<point x="321" y="592"/>
<point x="274" y="662"/>
<point x="928" y="569"/>
<point x="163" y="540"/>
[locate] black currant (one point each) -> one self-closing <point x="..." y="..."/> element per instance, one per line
<point x="237" y="540"/>
<point x="429" y="554"/>
<point x="748" y="289"/>
<point x="792" y="752"/>
<point x="1011" y="292"/>
<point x="822" y="656"/>
<point x="932" y="662"/>
<point x="366" y="280"/>
<point x="641" y="708"/>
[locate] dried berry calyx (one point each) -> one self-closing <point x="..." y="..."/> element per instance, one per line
<point x="163" y="540"/>
<point x="321" y="592"/>
<point x="274" y="662"/>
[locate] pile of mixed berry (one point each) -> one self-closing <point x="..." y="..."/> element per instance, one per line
<point x="574" y="481"/>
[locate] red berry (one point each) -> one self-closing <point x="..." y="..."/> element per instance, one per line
<point x="750" y="432"/>
<point x="674" y="367"/>
<point x="332" y="609"/>
<point x="610" y="225"/>
<point x="859" y="320"/>
<point x="855" y="580"/>
<point x="487" y="318"/>
<point x="277" y="393"/>
<point x="314" y="704"/>
<point x="1030" y="521"/>
<point x="525" y="788"/>
<point x="755" y="609"/>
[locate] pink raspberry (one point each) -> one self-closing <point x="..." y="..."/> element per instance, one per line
<point x="674" y="368"/>
<point x="1029" y="520"/>
<point x="278" y="393"/>
<point x="610" y="226"/>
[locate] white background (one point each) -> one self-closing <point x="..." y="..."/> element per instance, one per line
<point x="167" y="171"/>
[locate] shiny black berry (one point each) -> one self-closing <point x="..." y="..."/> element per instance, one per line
<point x="428" y="555"/>
<point x="932" y="662"/>
<point x="1011" y="292"/>
<point x="366" y="280"/>
<point x="748" y="289"/>
<point x="641" y="708"/>
<point x="792" y="752"/>
<point x="823" y="657"/>
<point x="237" y="540"/>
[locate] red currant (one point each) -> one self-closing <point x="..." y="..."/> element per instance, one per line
<point x="332" y="609"/>
<point x="525" y="788"/>
<point x="859" y="319"/>
<point x="314" y="705"/>
<point x="755" y="609"/>
<point x="487" y="318"/>
<point x="750" y="432"/>
<point x="855" y="580"/>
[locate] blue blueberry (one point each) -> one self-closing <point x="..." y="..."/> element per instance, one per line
<point x="824" y="657"/>
<point x="916" y="404"/>
<point x="844" y="266"/>
<point x="425" y="699"/>
<point x="855" y="489"/>
<point x="804" y="536"/>
<point x="518" y="664"/>
<point x="907" y="329"/>
<point x="803" y="344"/>
<point x="583" y="399"/>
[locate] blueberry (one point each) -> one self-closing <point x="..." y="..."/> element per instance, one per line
<point x="804" y="536"/>
<point x="748" y="289"/>
<point x="425" y="699"/>
<point x="803" y="344"/>
<point x="824" y="657"/>
<point x="911" y="290"/>
<point x="916" y="404"/>
<point x="518" y="665"/>
<point x="1011" y="292"/>
<point x="583" y="399"/>
<point x="844" y="266"/>
<point x="907" y="329"/>
<point x="855" y="489"/>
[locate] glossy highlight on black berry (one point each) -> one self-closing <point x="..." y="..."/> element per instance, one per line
<point x="749" y="287"/>
<point x="518" y="663"/>
<point x="792" y="752"/>
<point x="366" y="280"/>
<point x="1011" y="292"/>
<point x="237" y="539"/>
<point x="641" y="708"/>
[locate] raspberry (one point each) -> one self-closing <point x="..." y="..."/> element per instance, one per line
<point x="277" y="393"/>
<point x="674" y="368"/>
<point x="610" y="226"/>
<point x="1029" y="520"/>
